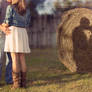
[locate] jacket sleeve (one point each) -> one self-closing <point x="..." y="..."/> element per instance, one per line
<point x="8" y="16"/>
<point x="28" y="18"/>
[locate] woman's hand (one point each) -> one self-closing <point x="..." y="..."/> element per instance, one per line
<point x="6" y="30"/>
<point x="5" y="25"/>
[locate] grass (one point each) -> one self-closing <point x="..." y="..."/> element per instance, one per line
<point x="47" y="74"/>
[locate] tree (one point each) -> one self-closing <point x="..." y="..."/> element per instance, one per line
<point x="64" y="3"/>
<point x="57" y="5"/>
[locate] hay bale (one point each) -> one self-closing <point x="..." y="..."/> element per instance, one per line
<point x="74" y="39"/>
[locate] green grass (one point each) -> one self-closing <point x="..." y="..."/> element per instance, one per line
<point x="47" y="74"/>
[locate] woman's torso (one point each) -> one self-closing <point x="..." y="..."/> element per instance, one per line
<point x="19" y="20"/>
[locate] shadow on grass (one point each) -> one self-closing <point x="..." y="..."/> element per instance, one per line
<point x="46" y="69"/>
<point x="59" y="79"/>
<point x="2" y="84"/>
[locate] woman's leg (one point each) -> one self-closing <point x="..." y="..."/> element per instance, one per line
<point x="23" y="70"/>
<point x="23" y="62"/>
<point x="15" y="62"/>
<point x="16" y="71"/>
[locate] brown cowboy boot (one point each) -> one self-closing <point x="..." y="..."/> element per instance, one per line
<point x="16" y="80"/>
<point x="23" y="79"/>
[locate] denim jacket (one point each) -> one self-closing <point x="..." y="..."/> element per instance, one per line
<point x="12" y="18"/>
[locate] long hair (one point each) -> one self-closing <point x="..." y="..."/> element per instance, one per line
<point x="20" y="6"/>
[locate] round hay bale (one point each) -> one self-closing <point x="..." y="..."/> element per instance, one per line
<point x="74" y="39"/>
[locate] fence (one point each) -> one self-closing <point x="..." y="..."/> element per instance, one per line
<point x="42" y="33"/>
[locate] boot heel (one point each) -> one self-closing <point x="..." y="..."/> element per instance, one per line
<point x="23" y="79"/>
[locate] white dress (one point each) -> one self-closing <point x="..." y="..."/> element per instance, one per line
<point x="17" y="40"/>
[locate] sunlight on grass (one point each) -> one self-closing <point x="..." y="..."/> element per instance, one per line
<point x="47" y="74"/>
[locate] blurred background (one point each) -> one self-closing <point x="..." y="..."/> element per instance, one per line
<point x="45" y="17"/>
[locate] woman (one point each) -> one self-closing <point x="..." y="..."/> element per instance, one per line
<point x="17" y="19"/>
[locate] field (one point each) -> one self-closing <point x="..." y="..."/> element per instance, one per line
<point x="47" y="74"/>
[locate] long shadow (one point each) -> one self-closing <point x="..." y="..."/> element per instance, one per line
<point x="82" y="46"/>
<point x="59" y="79"/>
<point x="82" y="54"/>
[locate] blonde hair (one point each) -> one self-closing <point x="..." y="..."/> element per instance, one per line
<point x="20" y="6"/>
